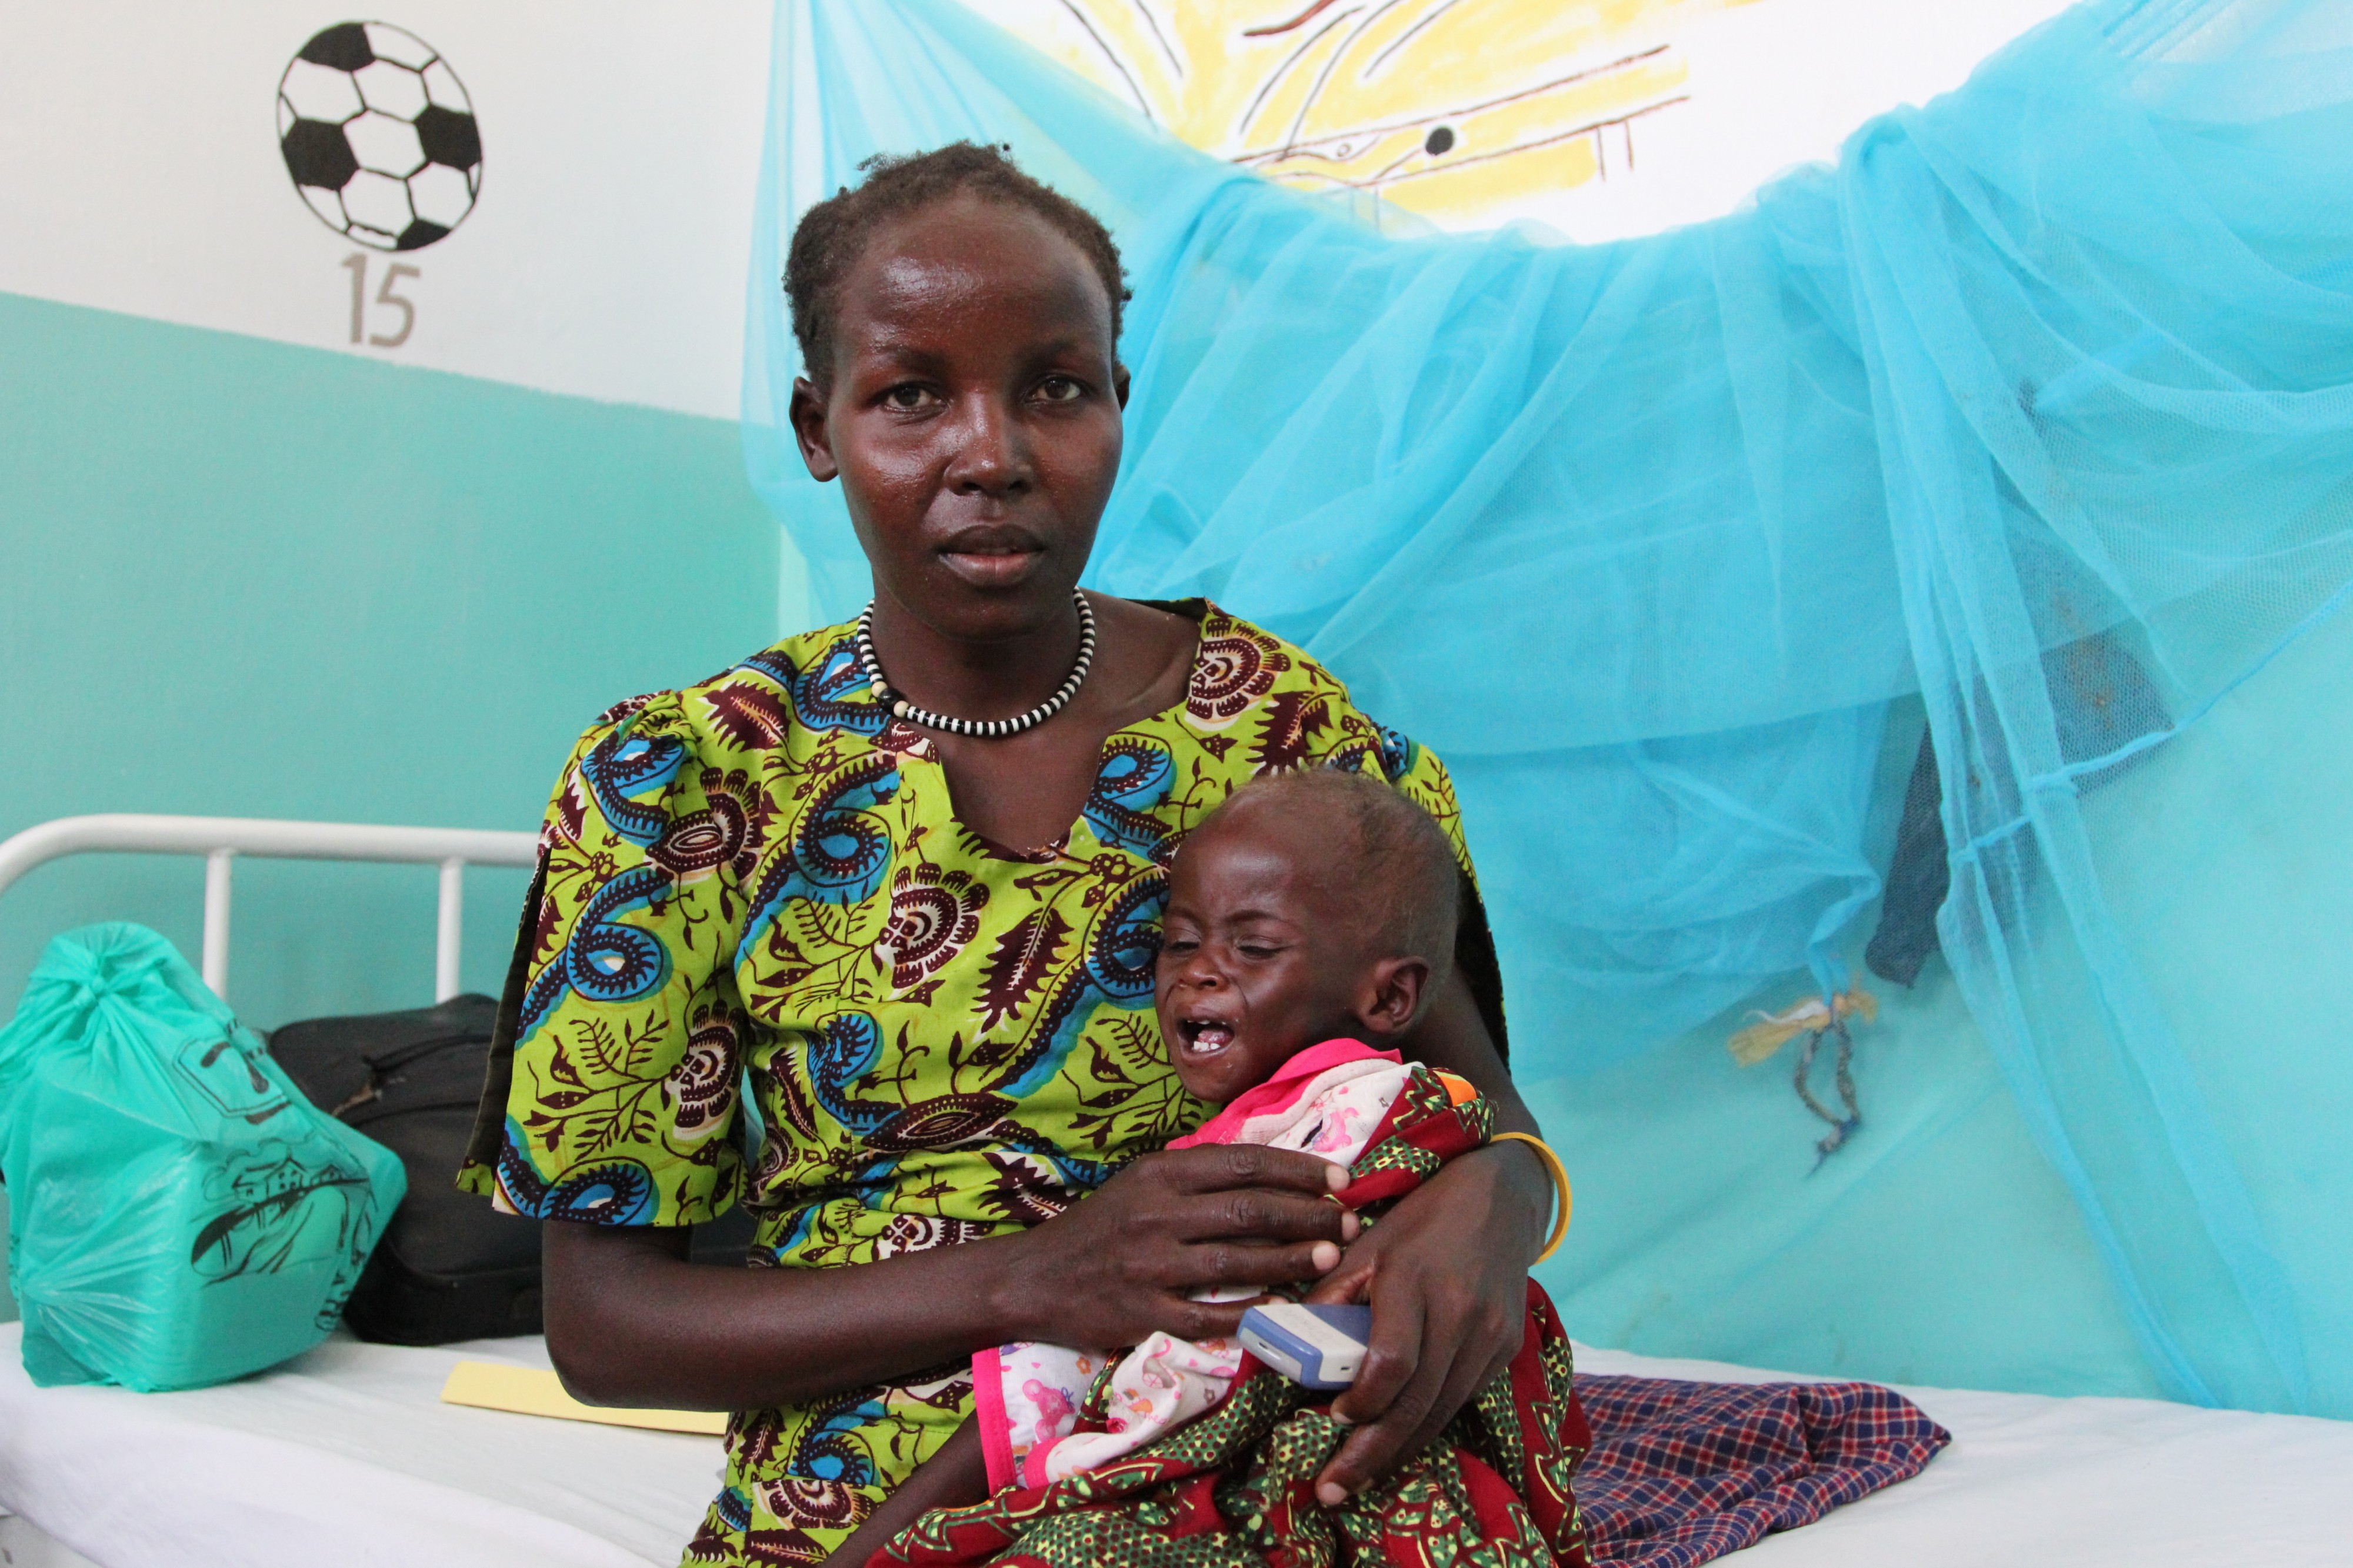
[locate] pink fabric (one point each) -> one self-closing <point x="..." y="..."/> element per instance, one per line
<point x="1291" y="1082"/>
<point x="989" y="1409"/>
<point x="1161" y="1384"/>
<point x="1026" y="1394"/>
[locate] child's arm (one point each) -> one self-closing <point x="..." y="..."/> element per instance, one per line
<point x="955" y="1477"/>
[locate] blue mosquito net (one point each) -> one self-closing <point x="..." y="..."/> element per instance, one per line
<point x="2033" y="415"/>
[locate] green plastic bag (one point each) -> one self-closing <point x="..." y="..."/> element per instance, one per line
<point x="179" y="1213"/>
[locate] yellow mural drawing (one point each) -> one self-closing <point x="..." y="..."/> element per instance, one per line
<point x="1461" y="111"/>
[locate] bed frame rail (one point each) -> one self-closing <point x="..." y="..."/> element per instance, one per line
<point x="220" y="840"/>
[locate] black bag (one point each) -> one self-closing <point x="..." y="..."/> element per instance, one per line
<point x="450" y="1266"/>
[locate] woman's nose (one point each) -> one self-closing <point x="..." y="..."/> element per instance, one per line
<point x="992" y="455"/>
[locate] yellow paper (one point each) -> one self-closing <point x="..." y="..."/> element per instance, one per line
<point x="535" y="1391"/>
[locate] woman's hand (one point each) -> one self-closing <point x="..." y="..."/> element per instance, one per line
<point x="1445" y="1273"/>
<point x="1124" y="1263"/>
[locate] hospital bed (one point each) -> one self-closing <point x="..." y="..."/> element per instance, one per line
<point x="347" y="1454"/>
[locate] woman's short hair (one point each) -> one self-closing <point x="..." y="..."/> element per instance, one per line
<point x="831" y="236"/>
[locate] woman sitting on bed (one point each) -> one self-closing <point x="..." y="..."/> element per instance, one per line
<point x="905" y="877"/>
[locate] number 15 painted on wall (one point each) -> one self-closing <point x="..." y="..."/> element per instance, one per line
<point x="356" y="263"/>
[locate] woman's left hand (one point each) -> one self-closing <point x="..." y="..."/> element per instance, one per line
<point x="1446" y="1274"/>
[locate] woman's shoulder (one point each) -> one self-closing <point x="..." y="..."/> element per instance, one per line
<point x="808" y="684"/>
<point x="1282" y="705"/>
<point x="1259" y="704"/>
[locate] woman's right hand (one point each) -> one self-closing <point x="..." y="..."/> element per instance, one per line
<point x="1125" y="1261"/>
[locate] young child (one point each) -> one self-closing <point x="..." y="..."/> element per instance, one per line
<point x="1312" y="914"/>
<point x="1310" y="920"/>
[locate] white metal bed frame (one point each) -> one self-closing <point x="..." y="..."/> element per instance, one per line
<point x="220" y="840"/>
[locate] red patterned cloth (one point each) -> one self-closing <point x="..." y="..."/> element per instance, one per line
<point x="1681" y="1472"/>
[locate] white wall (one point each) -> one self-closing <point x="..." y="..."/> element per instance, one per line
<point x="604" y="255"/>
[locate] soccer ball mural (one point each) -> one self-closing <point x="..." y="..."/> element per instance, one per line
<point x="379" y="136"/>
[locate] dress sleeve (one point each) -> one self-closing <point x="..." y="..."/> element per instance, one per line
<point x="611" y="1095"/>
<point x="1417" y="772"/>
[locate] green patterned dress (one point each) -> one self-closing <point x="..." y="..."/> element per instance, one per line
<point x="760" y="880"/>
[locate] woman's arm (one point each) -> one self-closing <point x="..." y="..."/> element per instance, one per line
<point x="630" y="1322"/>
<point x="1446" y="1272"/>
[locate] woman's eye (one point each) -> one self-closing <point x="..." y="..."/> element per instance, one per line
<point x="1061" y="389"/>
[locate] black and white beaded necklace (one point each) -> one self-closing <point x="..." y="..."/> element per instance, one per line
<point x="981" y="728"/>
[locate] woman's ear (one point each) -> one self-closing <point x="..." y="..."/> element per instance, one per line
<point x="809" y="430"/>
<point x="1119" y="382"/>
<point x="1391" y="1000"/>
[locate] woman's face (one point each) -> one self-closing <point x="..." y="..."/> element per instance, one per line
<point x="974" y="417"/>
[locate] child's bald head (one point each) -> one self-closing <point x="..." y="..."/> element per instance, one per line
<point x="1385" y="856"/>
<point x="1310" y="905"/>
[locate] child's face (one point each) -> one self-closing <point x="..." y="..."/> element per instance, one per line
<point x="974" y="417"/>
<point x="1259" y="955"/>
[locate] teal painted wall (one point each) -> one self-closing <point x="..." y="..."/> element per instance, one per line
<point x="244" y="579"/>
<point x="1939" y="1247"/>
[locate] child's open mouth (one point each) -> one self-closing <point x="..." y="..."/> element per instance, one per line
<point x="1205" y="1037"/>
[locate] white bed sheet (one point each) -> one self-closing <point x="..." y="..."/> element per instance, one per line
<point x="2104" y="1483"/>
<point x="344" y="1456"/>
<point x="347" y="1456"/>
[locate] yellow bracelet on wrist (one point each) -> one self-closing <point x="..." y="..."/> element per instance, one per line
<point x="1559" y="1176"/>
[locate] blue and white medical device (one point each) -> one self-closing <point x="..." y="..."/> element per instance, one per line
<point x="1315" y="1347"/>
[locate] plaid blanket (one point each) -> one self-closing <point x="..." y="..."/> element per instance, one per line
<point x="1681" y="1472"/>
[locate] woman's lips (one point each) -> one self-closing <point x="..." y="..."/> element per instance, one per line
<point x="991" y="568"/>
<point x="992" y="554"/>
